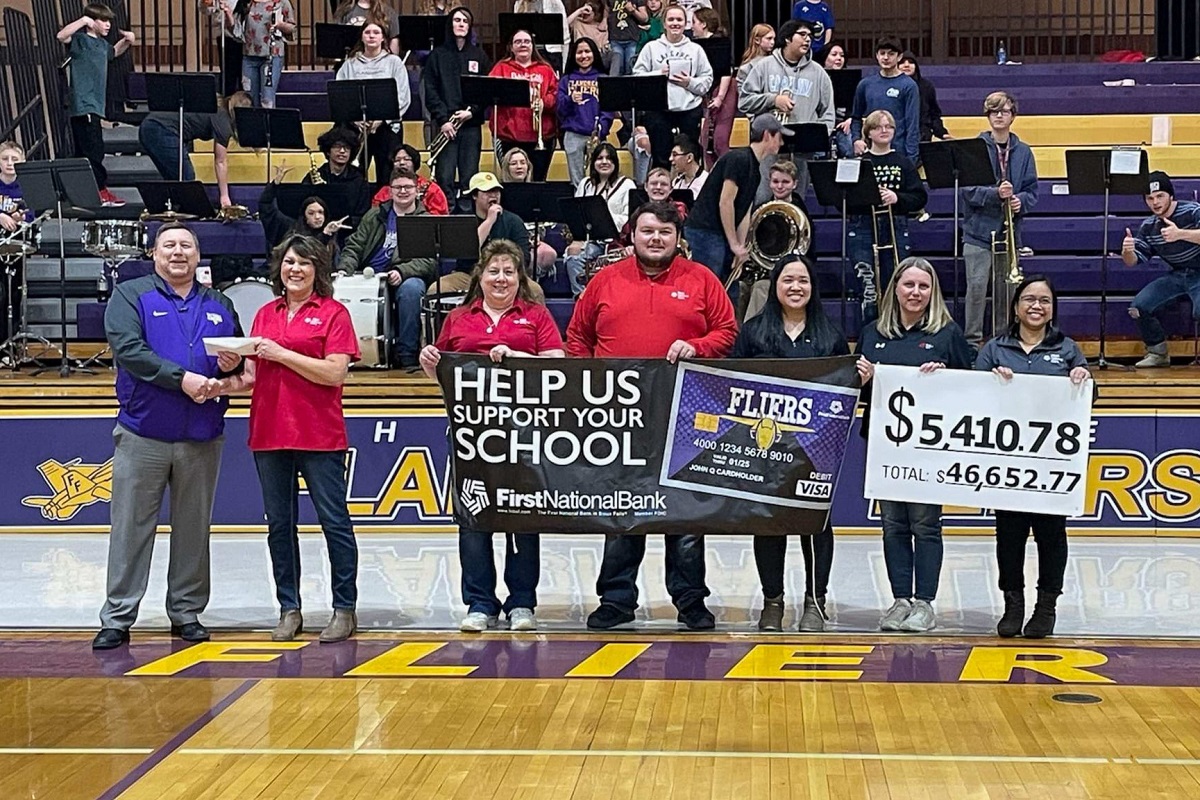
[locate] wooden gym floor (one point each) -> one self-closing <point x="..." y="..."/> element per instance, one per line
<point x="538" y="716"/>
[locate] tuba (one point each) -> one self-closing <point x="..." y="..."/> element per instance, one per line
<point x="776" y="229"/>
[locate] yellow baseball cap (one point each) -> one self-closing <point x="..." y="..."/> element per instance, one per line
<point x="483" y="182"/>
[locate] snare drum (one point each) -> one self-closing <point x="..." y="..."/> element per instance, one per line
<point x="19" y="244"/>
<point x="113" y="238"/>
<point x="248" y="296"/>
<point x="366" y="298"/>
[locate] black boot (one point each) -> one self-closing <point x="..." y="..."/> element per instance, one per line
<point x="1041" y="624"/>
<point x="1014" y="615"/>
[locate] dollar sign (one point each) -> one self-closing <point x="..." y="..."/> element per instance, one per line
<point x="903" y="429"/>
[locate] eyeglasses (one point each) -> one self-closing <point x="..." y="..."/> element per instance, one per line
<point x="408" y="187"/>
<point x="803" y="34"/>
<point x="1030" y="300"/>
<point x="1001" y="112"/>
<point x="676" y="154"/>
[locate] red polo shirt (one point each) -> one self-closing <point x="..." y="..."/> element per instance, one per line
<point x="287" y="410"/>
<point x="527" y="327"/>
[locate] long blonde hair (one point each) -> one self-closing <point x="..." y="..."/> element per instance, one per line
<point x="936" y="316"/>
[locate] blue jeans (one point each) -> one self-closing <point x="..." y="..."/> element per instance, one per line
<point x="623" y="554"/>
<point x="860" y="236"/>
<point x="261" y="91"/>
<point x="710" y="249"/>
<point x="1159" y="292"/>
<point x="844" y="144"/>
<point x="575" y="264"/>
<point x="408" y="296"/>
<point x="912" y="548"/>
<point x="325" y="473"/>
<point x="622" y="58"/>
<point x="522" y="568"/>
<point x="162" y="145"/>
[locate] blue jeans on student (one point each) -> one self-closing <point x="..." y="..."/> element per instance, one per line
<point x="622" y="58"/>
<point x="261" y="91"/>
<point x="710" y="249"/>
<point x="162" y="145"/>
<point x="1159" y="292"/>
<point x="912" y="548"/>
<point x="522" y="568"/>
<point x="623" y="554"/>
<point x="325" y="474"/>
<point x="860" y="236"/>
<point x="576" y="264"/>
<point x="408" y="296"/>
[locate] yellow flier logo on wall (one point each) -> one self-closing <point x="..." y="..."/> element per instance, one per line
<point x="75" y="486"/>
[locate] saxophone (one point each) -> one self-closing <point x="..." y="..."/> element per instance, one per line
<point x="314" y="174"/>
<point x="593" y="141"/>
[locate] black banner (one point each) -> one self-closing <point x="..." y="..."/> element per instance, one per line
<point x="645" y="446"/>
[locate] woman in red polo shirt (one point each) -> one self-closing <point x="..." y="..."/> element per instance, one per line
<point x="499" y="317"/>
<point x="305" y="345"/>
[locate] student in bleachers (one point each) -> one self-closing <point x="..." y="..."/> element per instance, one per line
<point x="266" y="27"/>
<point x="515" y="167"/>
<point x="578" y="106"/>
<point x="720" y="106"/>
<point x="360" y="12"/>
<point x="161" y="140"/>
<point x="835" y="59"/>
<point x="590" y="21"/>
<point x="339" y="144"/>
<point x="13" y="210"/>
<point x="553" y="49"/>
<point x="687" y="165"/>
<point x="90" y="54"/>
<point x="652" y="28"/>
<point x="1173" y="234"/>
<point x="517" y="126"/>
<point x="892" y="91"/>
<point x="369" y="60"/>
<point x="782" y="181"/>
<point x="624" y="31"/>
<point x="314" y="220"/>
<point x="819" y="12"/>
<point x="406" y="157"/>
<point x="604" y="180"/>
<point x="931" y="112"/>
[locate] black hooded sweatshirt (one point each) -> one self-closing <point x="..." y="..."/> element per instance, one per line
<point x="443" y="70"/>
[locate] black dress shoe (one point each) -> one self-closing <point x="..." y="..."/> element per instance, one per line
<point x="110" y="638"/>
<point x="607" y="616"/>
<point x="190" y="632"/>
<point x="697" y="617"/>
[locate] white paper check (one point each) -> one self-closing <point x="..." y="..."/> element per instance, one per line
<point x="242" y="345"/>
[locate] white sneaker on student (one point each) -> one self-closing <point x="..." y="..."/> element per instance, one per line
<point x="522" y="619"/>
<point x="895" y="615"/>
<point x="478" y="622"/>
<point x="920" y="619"/>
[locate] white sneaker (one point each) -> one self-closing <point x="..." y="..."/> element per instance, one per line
<point x="522" y="619"/>
<point x="477" y="622"/>
<point x="920" y="619"/>
<point x="1153" y="360"/>
<point x="895" y="615"/>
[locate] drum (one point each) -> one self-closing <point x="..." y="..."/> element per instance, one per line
<point x="366" y="298"/>
<point x="114" y="238"/>
<point x="19" y="244"/>
<point x="248" y="296"/>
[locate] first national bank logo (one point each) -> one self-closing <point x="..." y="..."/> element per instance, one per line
<point x="474" y="495"/>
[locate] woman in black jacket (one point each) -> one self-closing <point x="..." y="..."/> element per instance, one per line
<point x="793" y="324"/>
<point x="931" y="112"/>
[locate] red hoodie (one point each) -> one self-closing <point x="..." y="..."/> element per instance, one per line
<point x="516" y="124"/>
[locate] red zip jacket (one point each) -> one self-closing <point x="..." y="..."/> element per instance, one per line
<point x="627" y="314"/>
<point x="516" y="124"/>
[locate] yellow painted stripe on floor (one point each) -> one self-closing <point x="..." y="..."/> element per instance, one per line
<point x="608" y="661"/>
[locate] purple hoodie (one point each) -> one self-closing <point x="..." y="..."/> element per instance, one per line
<point x="581" y="117"/>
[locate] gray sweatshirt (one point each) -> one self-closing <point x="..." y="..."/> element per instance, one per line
<point x="384" y="65"/>
<point x="811" y="89"/>
<point x="686" y="56"/>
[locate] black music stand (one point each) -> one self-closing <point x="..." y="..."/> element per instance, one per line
<point x="1091" y="172"/>
<point x="588" y="218"/>
<point x="177" y="197"/>
<point x="64" y="187"/>
<point x="537" y="203"/>
<point x="957" y="164"/>
<point x="545" y="28"/>
<point x="487" y="92"/>
<point x="180" y="92"/>
<point x="421" y="32"/>
<point x="631" y="92"/>
<point x="845" y="84"/>
<point x="363" y="101"/>
<point x="805" y="138"/>
<point x="437" y="237"/>
<point x="335" y="42"/>
<point x="341" y="198"/>
<point x="719" y="51"/>
<point x="840" y="191"/>
<point x="270" y="128"/>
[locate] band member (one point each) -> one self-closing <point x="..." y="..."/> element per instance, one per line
<point x="161" y="139"/>
<point x="266" y="27"/>
<point x="582" y="122"/>
<point x="790" y="85"/>
<point x="717" y="224"/>
<point x="658" y="190"/>
<point x="617" y="318"/>
<point x="298" y="430"/>
<point x="720" y="105"/>
<point x="931" y="111"/>
<point x="914" y="329"/>
<point x="892" y="91"/>
<point x="87" y="41"/>
<point x="314" y="220"/>
<point x="502" y="318"/>
<point x="835" y="59"/>
<point x="534" y="129"/>
<point x="516" y="167"/>
<point x="371" y="60"/>
<point x="360" y="12"/>
<point x="339" y="144"/>
<point x="689" y="77"/>
<point x="1033" y="345"/>
<point x="793" y="324"/>
<point x="870" y="244"/>
<point x="167" y="437"/>
<point x="604" y="180"/>
<point x="1017" y="187"/>
<point x="429" y="193"/>
<point x="451" y="117"/>
<point x="13" y="210"/>
<point x="1173" y="234"/>
<point x="374" y="244"/>
<point x="687" y="165"/>
<point x="783" y="189"/>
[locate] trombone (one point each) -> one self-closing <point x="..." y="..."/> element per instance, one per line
<point x="1006" y="262"/>
<point x="882" y="220"/>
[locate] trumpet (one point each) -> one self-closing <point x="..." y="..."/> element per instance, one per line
<point x="314" y="173"/>
<point x="535" y="100"/>
<point x="439" y="142"/>
<point x="780" y="114"/>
